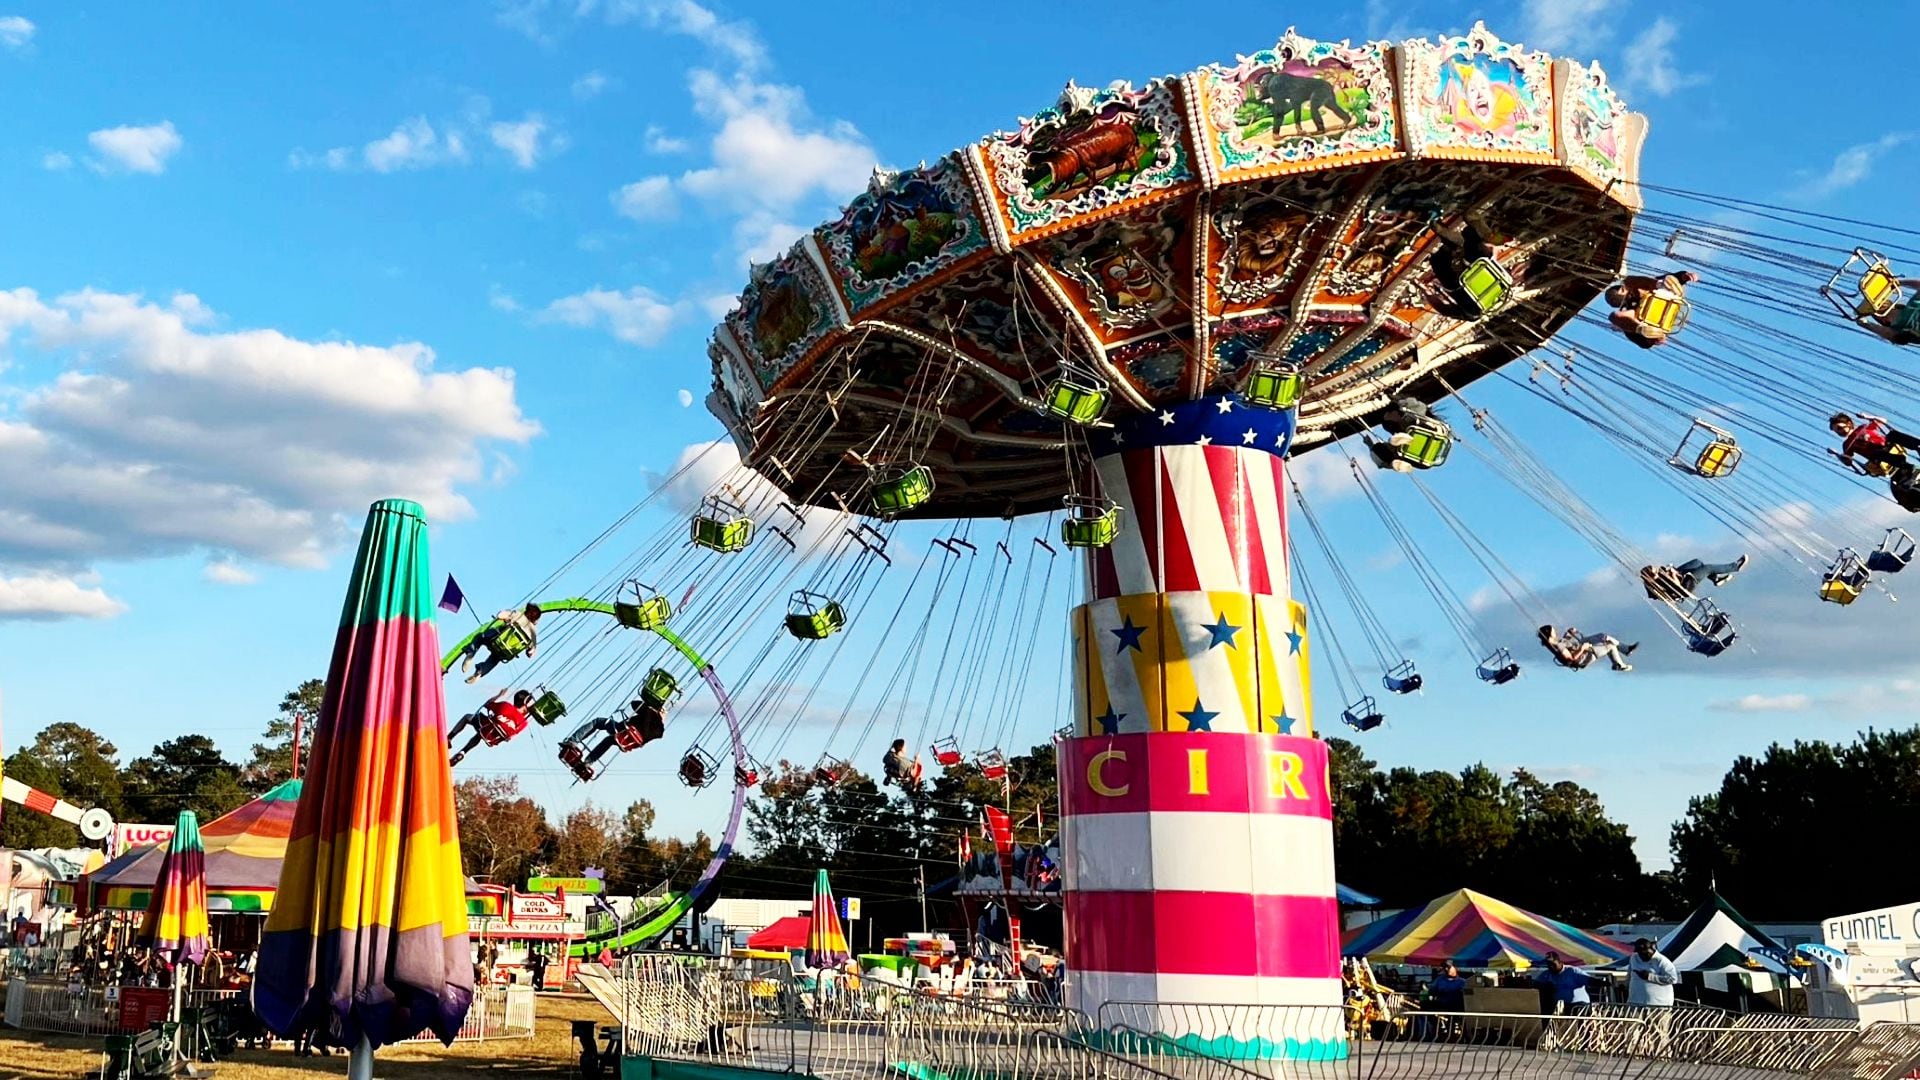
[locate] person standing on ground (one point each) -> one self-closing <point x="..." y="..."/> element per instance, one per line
<point x="1569" y="984"/>
<point x="537" y="963"/>
<point x="1650" y="979"/>
<point x="1650" y="976"/>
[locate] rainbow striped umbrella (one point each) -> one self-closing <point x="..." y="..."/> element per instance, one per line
<point x="367" y="938"/>
<point x="175" y="926"/>
<point x="826" y="943"/>
<point x="1476" y="931"/>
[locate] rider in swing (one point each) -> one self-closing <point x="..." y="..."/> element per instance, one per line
<point x="899" y="770"/>
<point x="496" y="721"/>
<point x="1626" y="297"/>
<point x="1571" y="648"/>
<point x="520" y="623"/>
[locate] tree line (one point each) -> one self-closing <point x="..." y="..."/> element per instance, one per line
<point x="1785" y="836"/>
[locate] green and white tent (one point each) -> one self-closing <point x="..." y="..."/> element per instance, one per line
<point x="1716" y="939"/>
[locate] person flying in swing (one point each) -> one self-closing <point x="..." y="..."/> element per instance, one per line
<point x="498" y="639"/>
<point x="897" y="769"/>
<point x="1676" y="584"/>
<point x="1460" y="247"/>
<point x="1886" y="324"/>
<point x="1626" y="298"/>
<point x="1571" y="648"/>
<point x="494" y="722"/>
<point x="1881" y="447"/>
<point x="1400" y="420"/>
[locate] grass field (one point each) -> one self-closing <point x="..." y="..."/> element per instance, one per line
<point x="551" y="1052"/>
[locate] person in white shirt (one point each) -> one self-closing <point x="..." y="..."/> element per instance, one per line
<point x="1650" y="979"/>
<point x="1650" y="976"/>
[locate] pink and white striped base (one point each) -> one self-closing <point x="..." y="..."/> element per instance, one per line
<point x="1199" y="872"/>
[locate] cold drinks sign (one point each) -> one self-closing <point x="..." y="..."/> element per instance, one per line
<point x="1894" y="930"/>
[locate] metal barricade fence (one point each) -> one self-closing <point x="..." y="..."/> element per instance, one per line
<point x="712" y="1012"/>
<point x="70" y="1008"/>
<point x="1883" y="1051"/>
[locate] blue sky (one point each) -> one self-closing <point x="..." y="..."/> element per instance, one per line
<point x="261" y="267"/>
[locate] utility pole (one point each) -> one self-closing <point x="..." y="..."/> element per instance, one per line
<point x="298" y="717"/>
<point x="920" y="876"/>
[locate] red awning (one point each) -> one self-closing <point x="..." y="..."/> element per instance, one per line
<point x="787" y="933"/>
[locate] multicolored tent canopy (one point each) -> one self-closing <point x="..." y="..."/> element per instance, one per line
<point x="1476" y="931"/>
<point x="243" y="853"/>
<point x="175" y="927"/>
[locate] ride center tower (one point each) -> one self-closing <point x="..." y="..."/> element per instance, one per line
<point x="1131" y="310"/>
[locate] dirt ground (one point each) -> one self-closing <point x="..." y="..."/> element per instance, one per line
<point x="551" y="1052"/>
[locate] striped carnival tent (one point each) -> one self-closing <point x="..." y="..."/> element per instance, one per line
<point x="1476" y="931"/>
<point x="243" y="852"/>
<point x="1719" y="940"/>
<point x="244" y="848"/>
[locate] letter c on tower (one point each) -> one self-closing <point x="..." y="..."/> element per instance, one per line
<point x="1097" y="765"/>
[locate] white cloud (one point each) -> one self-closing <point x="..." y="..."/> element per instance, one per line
<point x="761" y="236"/>
<point x="15" y="31"/>
<point x="719" y="305"/>
<point x="590" y="86"/>
<point x="686" y="398"/>
<point x="637" y="316"/>
<point x="137" y="149"/>
<point x="163" y="436"/>
<point x="651" y="199"/>
<point x="1650" y="63"/>
<point x="1853" y="165"/>
<point x="500" y="299"/>
<point x="736" y="40"/>
<point x="659" y="142"/>
<point x="414" y="144"/>
<point x="1765" y="703"/>
<point x="1323" y="474"/>
<point x="56" y="162"/>
<point x="767" y="153"/>
<point x="45" y="597"/>
<point x="1556" y="25"/>
<point x="520" y="139"/>
<point x="227" y="572"/>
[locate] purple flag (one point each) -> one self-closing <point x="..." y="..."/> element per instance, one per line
<point x="451" y="598"/>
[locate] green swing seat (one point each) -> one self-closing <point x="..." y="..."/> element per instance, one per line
<point x="812" y="617"/>
<point x="1090" y="523"/>
<point x="1488" y="283"/>
<point x="648" y="613"/>
<point x="1274" y="383"/>
<point x="723" y="534"/>
<point x="547" y="708"/>
<point x="658" y="688"/>
<point x="1077" y="397"/>
<point x="902" y="490"/>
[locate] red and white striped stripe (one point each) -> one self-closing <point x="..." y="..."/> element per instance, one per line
<point x="1197" y="519"/>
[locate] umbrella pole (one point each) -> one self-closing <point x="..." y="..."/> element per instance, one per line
<point x="360" y="1061"/>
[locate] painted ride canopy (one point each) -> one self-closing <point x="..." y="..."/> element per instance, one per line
<point x="1476" y="931"/>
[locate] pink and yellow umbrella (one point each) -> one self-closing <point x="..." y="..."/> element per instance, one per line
<point x="368" y="934"/>
<point x="826" y="943"/>
<point x="175" y="927"/>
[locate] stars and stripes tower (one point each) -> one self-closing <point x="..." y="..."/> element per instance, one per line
<point x="1197" y="826"/>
